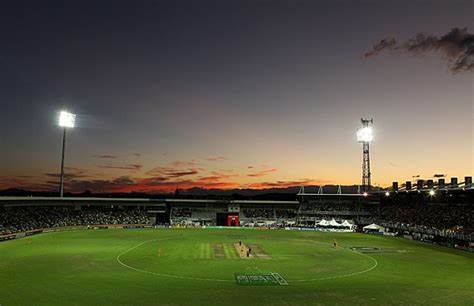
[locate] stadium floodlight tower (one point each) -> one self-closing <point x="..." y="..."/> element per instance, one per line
<point x="365" y="135"/>
<point x="66" y="120"/>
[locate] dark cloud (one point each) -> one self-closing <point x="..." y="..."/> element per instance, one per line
<point x="155" y="181"/>
<point x="183" y="163"/>
<point x="384" y="44"/>
<point x="123" y="180"/>
<point x="170" y="172"/>
<point x="70" y="173"/>
<point x="262" y="172"/>
<point x="28" y="183"/>
<point x="176" y="169"/>
<point x="158" y="184"/>
<point x="457" y="47"/>
<point x="132" y="167"/>
<point x="106" y="156"/>
<point x="212" y="178"/>
<point x="216" y="177"/>
<point x="118" y="184"/>
<point x="216" y="158"/>
<point x="147" y="184"/>
<point x="67" y="176"/>
<point x="182" y="173"/>
<point x="283" y="184"/>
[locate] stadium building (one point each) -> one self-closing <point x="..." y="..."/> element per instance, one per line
<point x="441" y="213"/>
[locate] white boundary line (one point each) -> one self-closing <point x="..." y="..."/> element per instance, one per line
<point x="225" y="280"/>
<point x="343" y="275"/>
<point x="309" y="241"/>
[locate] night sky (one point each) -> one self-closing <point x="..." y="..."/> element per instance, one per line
<point x="228" y="94"/>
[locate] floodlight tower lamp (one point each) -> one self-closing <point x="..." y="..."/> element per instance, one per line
<point x="365" y="135"/>
<point x="66" y="120"/>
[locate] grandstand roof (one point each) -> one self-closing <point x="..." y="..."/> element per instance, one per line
<point x="128" y="201"/>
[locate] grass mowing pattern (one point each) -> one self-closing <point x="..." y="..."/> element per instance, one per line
<point x="230" y="251"/>
<point x="169" y="267"/>
<point x="205" y="251"/>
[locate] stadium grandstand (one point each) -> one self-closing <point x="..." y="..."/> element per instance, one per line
<point x="438" y="213"/>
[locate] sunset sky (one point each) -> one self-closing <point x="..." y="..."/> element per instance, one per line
<point x="228" y="94"/>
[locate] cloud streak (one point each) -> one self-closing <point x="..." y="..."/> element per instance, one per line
<point x="164" y="178"/>
<point x="168" y="172"/>
<point x="216" y="158"/>
<point x="120" y="184"/>
<point x="457" y="47"/>
<point x="132" y="167"/>
<point x="154" y="184"/>
<point x="106" y="156"/>
<point x="67" y="176"/>
<point x="262" y="172"/>
<point x="283" y="184"/>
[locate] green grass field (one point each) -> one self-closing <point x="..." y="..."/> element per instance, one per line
<point x="201" y="267"/>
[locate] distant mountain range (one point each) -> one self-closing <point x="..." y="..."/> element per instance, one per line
<point x="288" y="193"/>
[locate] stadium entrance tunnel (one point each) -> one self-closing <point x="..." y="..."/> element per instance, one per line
<point x="159" y="215"/>
<point x="227" y="219"/>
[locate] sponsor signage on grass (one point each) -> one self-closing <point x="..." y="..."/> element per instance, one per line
<point x="260" y="279"/>
<point x="7" y="237"/>
<point x="20" y="235"/>
<point x="226" y="227"/>
<point x="376" y="250"/>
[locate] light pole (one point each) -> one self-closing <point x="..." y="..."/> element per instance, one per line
<point x="66" y="120"/>
<point x="365" y="135"/>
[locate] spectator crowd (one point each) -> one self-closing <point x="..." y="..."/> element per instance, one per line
<point x="433" y="216"/>
<point x="21" y="219"/>
<point x="258" y="213"/>
<point x="425" y="218"/>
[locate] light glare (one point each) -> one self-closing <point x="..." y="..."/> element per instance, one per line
<point x="387" y="194"/>
<point x="365" y="134"/>
<point x="67" y="119"/>
<point x="432" y="192"/>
